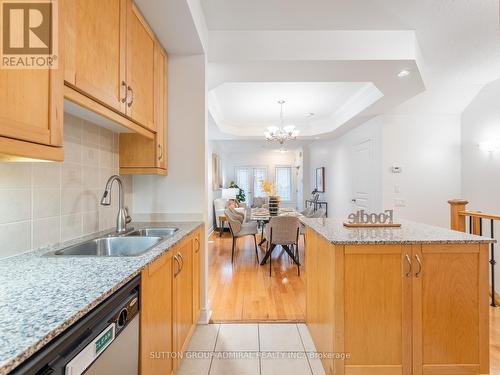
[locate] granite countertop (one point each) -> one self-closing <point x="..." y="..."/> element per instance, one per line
<point x="410" y="232"/>
<point x="41" y="296"/>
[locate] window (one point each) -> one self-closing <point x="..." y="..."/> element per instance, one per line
<point x="248" y="179"/>
<point x="283" y="182"/>
<point x="259" y="174"/>
<point x="243" y="179"/>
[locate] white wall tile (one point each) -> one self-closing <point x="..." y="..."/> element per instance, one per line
<point x="71" y="176"/>
<point x="90" y="155"/>
<point x="106" y="139"/>
<point x="90" y="222"/>
<point x="15" y="238"/>
<point x="71" y="201"/>
<point x="46" y="203"/>
<point x="91" y="200"/>
<point x="15" y="205"/>
<point x="91" y="178"/>
<point x="90" y="134"/>
<point x="47" y="175"/>
<point x="72" y="128"/>
<point x="72" y="152"/>
<point x="46" y="231"/>
<point x="71" y="227"/>
<point x="15" y="175"/>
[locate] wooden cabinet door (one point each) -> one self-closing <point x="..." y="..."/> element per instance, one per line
<point x="377" y="310"/>
<point x="140" y="69"/>
<point x="320" y="270"/>
<point x="196" y="275"/>
<point x="450" y="310"/>
<point x="156" y="318"/>
<point x="183" y="294"/>
<point x="161" y="106"/>
<point x="95" y="51"/>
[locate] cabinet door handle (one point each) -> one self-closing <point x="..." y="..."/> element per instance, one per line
<point x="161" y="152"/>
<point x="131" y="90"/>
<point x="182" y="261"/>
<point x="197" y="245"/>
<point x="408" y="260"/>
<point x="124" y="86"/>
<point x="176" y="258"/>
<point x="419" y="272"/>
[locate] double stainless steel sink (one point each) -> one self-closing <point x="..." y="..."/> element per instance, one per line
<point x="134" y="243"/>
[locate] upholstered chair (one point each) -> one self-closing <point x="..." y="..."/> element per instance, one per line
<point x="239" y="228"/>
<point x="284" y="231"/>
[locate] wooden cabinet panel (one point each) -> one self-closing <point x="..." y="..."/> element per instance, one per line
<point x="95" y="51"/>
<point x="197" y="246"/>
<point x="320" y="267"/>
<point x="140" y="69"/>
<point x="156" y="317"/>
<point x="377" y="295"/>
<point x="138" y="154"/>
<point x="183" y="294"/>
<point x="450" y="305"/>
<point x="31" y="112"/>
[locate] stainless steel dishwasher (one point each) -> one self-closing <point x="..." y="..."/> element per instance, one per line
<point x="104" y="342"/>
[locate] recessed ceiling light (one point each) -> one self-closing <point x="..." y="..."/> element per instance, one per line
<point x="317" y="138"/>
<point x="403" y="73"/>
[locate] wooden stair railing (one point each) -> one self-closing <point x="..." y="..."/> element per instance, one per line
<point x="458" y="222"/>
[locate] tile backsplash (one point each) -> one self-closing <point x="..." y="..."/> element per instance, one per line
<point x="42" y="203"/>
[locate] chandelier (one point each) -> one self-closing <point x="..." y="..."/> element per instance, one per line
<point x="282" y="133"/>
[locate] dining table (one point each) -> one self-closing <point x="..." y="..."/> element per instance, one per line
<point x="262" y="217"/>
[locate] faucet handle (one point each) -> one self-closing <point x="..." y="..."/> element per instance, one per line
<point x="128" y="219"/>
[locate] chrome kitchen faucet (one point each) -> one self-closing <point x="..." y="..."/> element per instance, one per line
<point x="123" y="217"/>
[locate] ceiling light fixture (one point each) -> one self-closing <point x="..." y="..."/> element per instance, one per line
<point x="403" y="73"/>
<point x="282" y="133"/>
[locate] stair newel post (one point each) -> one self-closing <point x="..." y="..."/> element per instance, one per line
<point x="457" y="221"/>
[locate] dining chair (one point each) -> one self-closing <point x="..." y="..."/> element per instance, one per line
<point x="283" y="231"/>
<point x="240" y="228"/>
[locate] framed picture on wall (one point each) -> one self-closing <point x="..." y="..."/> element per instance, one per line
<point x="216" y="175"/>
<point x="320" y="179"/>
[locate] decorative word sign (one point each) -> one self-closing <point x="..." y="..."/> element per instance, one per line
<point x="363" y="219"/>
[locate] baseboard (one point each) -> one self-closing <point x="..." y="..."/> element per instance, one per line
<point x="205" y="316"/>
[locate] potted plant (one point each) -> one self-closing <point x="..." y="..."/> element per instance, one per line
<point x="241" y="197"/>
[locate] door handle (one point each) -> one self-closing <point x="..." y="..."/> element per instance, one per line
<point x="161" y="152"/>
<point x="178" y="266"/>
<point x="124" y="86"/>
<point x="408" y="260"/>
<point x="419" y="272"/>
<point x="182" y="261"/>
<point x="353" y="200"/>
<point x="198" y="245"/>
<point x="131" y="90"/>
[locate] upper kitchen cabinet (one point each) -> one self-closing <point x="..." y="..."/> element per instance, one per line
<point x="138" y="154"/>
<point x="31" y="113"/>
<point x="109" y="65"/>
<point x="140" y="69"/>
<point x="95" y="51"/>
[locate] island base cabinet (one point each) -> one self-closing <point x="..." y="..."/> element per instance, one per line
<point x="398" y="309"/>
<point x="450" y="310"/>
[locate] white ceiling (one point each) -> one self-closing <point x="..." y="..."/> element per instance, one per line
<point x="248" y="108"/>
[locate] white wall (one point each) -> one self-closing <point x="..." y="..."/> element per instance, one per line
<point x="182" y="195"/>
<point x="262" y="158"/>
<point x="480" y="176"/>
<point x="335" y="156"/>
<point x="427" y="147"/>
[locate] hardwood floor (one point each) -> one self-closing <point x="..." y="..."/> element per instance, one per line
<point x="243" y="291"/>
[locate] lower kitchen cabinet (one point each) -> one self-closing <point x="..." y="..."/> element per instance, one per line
<point x="399" y="309"/>
<point x="183" y="294"/>
<point x="156" y="317"/>
<point x="170" y="305"/>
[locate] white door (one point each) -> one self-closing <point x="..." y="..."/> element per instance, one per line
<point x="362" y="186"/>
<point x="249" y="179"/>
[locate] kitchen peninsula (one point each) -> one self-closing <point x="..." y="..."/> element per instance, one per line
<point x="409" y="300"/>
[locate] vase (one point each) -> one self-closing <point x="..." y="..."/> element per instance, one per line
<point x="274" y="203"/>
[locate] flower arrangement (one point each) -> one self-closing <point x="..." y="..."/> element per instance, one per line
<point x="268" y="187"/>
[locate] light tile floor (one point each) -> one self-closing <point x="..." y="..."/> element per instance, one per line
<point x="251" y="349"/>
